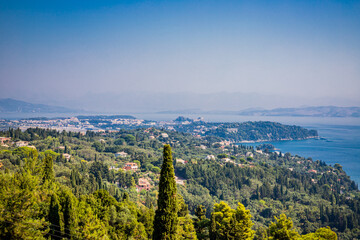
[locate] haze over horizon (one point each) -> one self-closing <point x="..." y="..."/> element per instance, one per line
<point x="163" y="55"/>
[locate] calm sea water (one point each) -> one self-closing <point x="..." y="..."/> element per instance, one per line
<point x="339" y="144"/>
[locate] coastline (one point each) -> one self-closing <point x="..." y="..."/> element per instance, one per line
<point x="277" y="140"/>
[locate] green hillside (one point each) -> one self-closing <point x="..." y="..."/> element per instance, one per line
<point x="72" y="185"/>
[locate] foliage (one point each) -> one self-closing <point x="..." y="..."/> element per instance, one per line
<point x="94" y="198"/>
<point x="282" y="229"/>
<point x="166" y="220"/>
<point x="321" y="234"/>
<point x="228" y="223"/>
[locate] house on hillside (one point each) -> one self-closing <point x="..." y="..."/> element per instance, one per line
<point x="179" y="160"/>
<point x="164" y="135"/>
<point x="121" y="154"/>
<point x="21" y="143"/>
<point x="130" y="166"/>
<point x="179" y="180"/>
<point x="143" y="184"/>
<point x="232" y="130"/>
<point x="226" y="160"/>
<point x="203" y="147"/>
<point x="4" y="139"/>
<point x="210" y="157"/>
<point x="67" y="156"/>
<point x="113" y="168"/>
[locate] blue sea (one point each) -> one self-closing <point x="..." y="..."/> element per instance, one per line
<point x="338" y="144"/>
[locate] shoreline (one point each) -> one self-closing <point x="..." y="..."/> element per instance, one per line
<point x="278" y="140"/>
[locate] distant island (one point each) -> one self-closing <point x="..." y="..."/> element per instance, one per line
<point x="9" y="105"/>
<point x="321" y="111"/>
<point x="258" y="131"/>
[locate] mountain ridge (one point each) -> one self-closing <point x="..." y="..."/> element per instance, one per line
<point x="10" y="105"/>
<point x="311" y="111"/>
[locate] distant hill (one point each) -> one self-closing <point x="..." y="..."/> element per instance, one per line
<point x="323" y="111"/>
<point x="9" y="105"/>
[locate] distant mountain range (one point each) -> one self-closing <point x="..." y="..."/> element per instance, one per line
<point x="322" y="111"/>
<point x="9" y="105"/>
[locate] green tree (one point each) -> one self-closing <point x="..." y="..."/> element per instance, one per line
<point x="89" y="226"/>
<point x="227" y="223"/>
<point x="130" y="139"/>
<point x="200" y="212"/>
<point x="99" y="146"/>
<point x="48" y="174"/>
<point x="147" y="218"/>
<point x="261" y="233"/>
<point x="201" y="223"/>
<point x="243" y="223"/>
<point x="282" y="229"/>
<point x="183" y="210"/>
<point x="68" y="213"/>
<point x="54" y="217"/>
<point x="222" y="155"/>
<point x="166" y="219"/>
<point x="20" y="207"/>
<point x="321" y="234"/>
<point x="185" y="229"/>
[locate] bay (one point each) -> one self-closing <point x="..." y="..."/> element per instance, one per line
<point x="339" y="142"/>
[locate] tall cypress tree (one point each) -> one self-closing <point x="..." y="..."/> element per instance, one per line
<point x="165" y="221"/>
<point x="68" y="213"/>
<point x="54" y="217"/>
<point x="48" y="171"/>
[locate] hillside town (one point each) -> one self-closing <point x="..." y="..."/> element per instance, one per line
<point x="230" y="131"/>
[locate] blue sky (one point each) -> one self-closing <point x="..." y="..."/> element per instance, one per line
<point x="303" y="49"/>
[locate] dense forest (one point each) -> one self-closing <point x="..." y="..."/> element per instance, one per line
<point x="69" y="185"/>
<point x="246" y="131"/>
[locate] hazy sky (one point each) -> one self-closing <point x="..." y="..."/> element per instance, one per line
<point x="66" y="50"/>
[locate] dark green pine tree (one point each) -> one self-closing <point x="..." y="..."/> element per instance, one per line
<point x="201" y="223"/>
<point x="54" y="217"/>
<point x="166" y="220"/>
<point x="48" y="174"/>
<point x="73" y="178"/>
<point x="68" y="213"/>
<point x="200" y="212"/>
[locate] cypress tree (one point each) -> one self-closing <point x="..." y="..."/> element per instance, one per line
<point x="68" y="213"/>
<point x="48" y="169"/>
<point x="54" y="217"/>
<point x="166" y="221"/>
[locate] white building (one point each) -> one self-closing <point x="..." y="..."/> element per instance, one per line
<point x="121" y="154"/>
